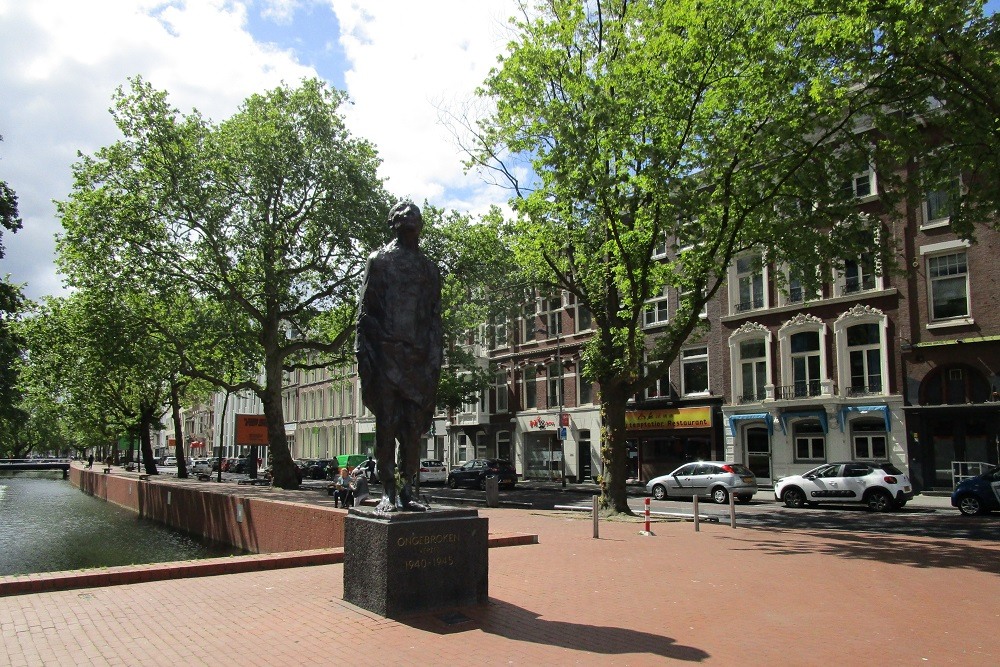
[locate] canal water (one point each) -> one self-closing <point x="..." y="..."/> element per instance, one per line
<point x="46" y="525"/>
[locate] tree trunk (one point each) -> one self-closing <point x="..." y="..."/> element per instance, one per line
<point x="614" y="450"/>
<point x="175" y="412"/>
<point x="282" y="468"/>
<point x="146" y="440"/>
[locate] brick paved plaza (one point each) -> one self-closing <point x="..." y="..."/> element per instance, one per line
<point x="720" y="596"/>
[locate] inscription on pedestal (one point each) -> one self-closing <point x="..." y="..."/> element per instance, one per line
<point x="408" y="563"/>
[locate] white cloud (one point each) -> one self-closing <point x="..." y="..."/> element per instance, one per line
<point x="61" y="60"/>
<point x="408" y="61"/>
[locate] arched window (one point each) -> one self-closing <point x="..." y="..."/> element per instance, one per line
<point x="953" y="385"/>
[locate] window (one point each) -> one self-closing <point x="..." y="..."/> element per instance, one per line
<point x="753" y="370"/>
<point x="805" y="363"/>
<point x="939" y="205"/>
<point x="748" y="291"/>
<point x="500" y="389"/>
<point x="864" y="348"/>
<point x="581" y="315"/>
<point x="585" y="395"/>
<point x="869" y="439"/>
<point x="656" y="311"/>
<point x="554" y="384"/>
<point x="694" y="370"/>
<point x="859" y="274"/>
<point x="860" y="185"/>
<point x="528" y="389"/>
<point x="550" y="311"/>
<point x="528" y="322"/>
<point x="500" y="331"/>
<point x="797" y="291"/>
<point x="949" y="286"/>
<point x="660" y="247"/>
<point x="810" y="441"/>
<point x="661" y="388"/>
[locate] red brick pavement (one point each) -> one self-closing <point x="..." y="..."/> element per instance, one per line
<point x="719" y="596"/>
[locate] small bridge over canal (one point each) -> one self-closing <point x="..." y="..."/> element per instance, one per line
<point x="18" y="465"/>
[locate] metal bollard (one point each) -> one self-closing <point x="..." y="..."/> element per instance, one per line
<point x="732" y="511"/>
<point x="694" y="502"/>
<point x="596" y="522"/>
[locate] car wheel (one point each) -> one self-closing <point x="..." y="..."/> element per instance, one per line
<point x="970" y="505"/>
<point x="720" y="495"/>
<point x="452" y="484"/>
<point x="879" y="501"/>
<point x="794" y="497"/>
<point x="482" y="484"/>
<point x="659" y="492"/>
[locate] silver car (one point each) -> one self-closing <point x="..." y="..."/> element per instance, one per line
<point x="708" y="479"/>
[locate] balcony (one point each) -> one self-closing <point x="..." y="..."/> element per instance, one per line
<point x="753" y="304"/>
<point x="799" y="390"/>
<point x="752" y="397"/>
<point x="858" y="390"/>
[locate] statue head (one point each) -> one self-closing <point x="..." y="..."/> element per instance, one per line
<point x="405" y="215"/>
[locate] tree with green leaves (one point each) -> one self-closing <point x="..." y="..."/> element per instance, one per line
<point x="715" y="126"/>
<point x="941" y="94"/>
<point x="265" y="218"/>
<point x="11" y="305"/>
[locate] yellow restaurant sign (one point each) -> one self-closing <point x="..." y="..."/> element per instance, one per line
<point x="646" y="420"/>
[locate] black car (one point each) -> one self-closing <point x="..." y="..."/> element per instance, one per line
<point x="318" y="468"/>
<point x="474" y="473"/>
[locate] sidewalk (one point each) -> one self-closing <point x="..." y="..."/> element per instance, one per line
<point x="719" y="596"/>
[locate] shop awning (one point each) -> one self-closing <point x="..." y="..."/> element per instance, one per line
<point x="865" y="409"/>
<point x="752" y="417"/>
<point x="800" y="414"/>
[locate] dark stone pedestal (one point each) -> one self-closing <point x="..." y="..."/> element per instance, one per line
<point x="414" y="562"/>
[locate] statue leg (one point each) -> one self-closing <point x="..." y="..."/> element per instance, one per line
<point x="409" y="464"/>
<point x="385" y="455"/>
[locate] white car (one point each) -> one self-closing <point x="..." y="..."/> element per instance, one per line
<point x="170" y="462"/>
<point x="432" y="471"/>
<point x="880" y="485"/>
<point x="710" y="479"/>
<point x="201" y="466"/>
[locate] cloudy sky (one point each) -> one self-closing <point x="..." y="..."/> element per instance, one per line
<point x="401" y="61"/>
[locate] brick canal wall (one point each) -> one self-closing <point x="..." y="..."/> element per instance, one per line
<point x="256" y="525"/>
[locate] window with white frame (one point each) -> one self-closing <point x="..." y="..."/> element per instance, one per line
<point x="500" y="331"/>
<point x="810" y="441"/>
<point x="500" y="391"/>
<point x="948" y="278"/>
<point x="585" y="390"/>
<point x="660" y="246"/>
<point x="554" y="393"/>
<point x="689" y="295"/>
<point x="795" y="287"/>
<point x="550" y="310"/>
<point x="806" y="367"/>
<point x="859" y="185"/>
<point x="864" y="351"/>
<point x="582" y="318"/>
<point x="939" y="204"/>
<point x="528" y="324"/>
<point x="869" y="439"/>
<point x="694" y="370"/>
<point x="752" y="370"/>
<point x="747" y="285"/>
<point x="529" y="394"/>
<point x="859" y="274"/>
<point x="660" y="388"/>
<point x="656" y="310"/>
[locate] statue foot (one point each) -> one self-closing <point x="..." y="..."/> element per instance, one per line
<point x="386" y="506"/>
<point x="414" y="506"/>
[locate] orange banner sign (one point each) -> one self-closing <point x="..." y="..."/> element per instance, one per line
<point x="251" y="430"/>
<point x="647" y="420"/>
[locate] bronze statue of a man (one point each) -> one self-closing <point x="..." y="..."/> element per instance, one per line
<point x="399" y="347"/>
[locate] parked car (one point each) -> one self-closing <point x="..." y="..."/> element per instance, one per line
<point x="170" y="461"/>
<point x="978" y="495"/>
<point x="317" y="470"/>
<point x="880" y="485"/>
<point x="473" y="473"/>
<point x="201" y="466"/>
<point x="709" y="479"/>
<point x="432" y="471"/>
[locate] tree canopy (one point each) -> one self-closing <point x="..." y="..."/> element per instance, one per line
<point x="261" y="222"/>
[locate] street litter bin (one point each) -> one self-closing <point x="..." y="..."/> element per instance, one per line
<point x="492" y="491"/>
